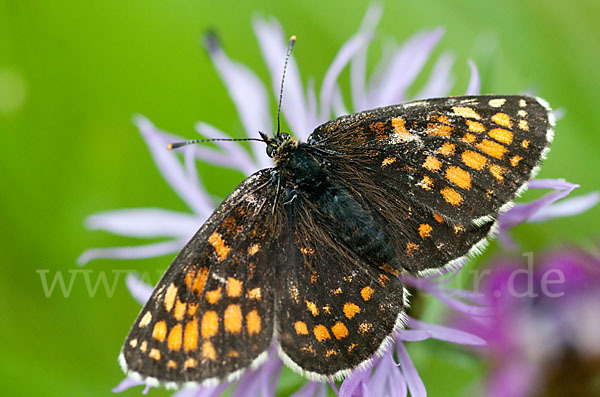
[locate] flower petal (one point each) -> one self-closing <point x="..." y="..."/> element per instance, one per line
<point x="447" y="334"/>
<point x="413" y="380"/>
<point x="138" y="289"/>
<point x="358" y="66"/>
<point x="145" y="222"/>
<point x="168" y="164"/>
<point x="344" y="55"/>
<point x="126" y="384"/>
<point x="246" y="91"/>
<point x="353" y="382"/>
<point x="567" y="207"/>
<point x="273" y="47"/>
<point x="474" y="87"/>
<point x="440" y="82"/>
<point x="403" y="68"/>
<point x="137" y="252"/>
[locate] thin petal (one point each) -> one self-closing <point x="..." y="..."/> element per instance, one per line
<point x="137" y="252"/>
<point x="447" y="334"/>
<point x="410" y="335"/>
<point x="413" y="380"/>
<point x="353" y="382"/>
<point x="246" y="91"/>
<point x="440" y="82"/>
<point x="168" y="164"/>
<point x="237" y="155"/>
<point x="138" y="289"/>
<point x="344" y="55"/>
<point x="339" y="108"/>
<point x="474" y="87"/>
<point x="566" y="207"/>
<point x="126" y="384"/>
<point x="404" y="68"/>
<point x="145" y="222"/>
<point x="358" y="66"/>
<point x="273" y="46"/>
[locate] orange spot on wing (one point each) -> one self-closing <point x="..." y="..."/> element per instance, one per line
<point x="365" y="327"/>
<point x="301" y="328"/>
<point x="234" y="287"/>
<point x="387" y="161"/>
<point x="218" y="244"/>
<point x="160" y="331"/>
<point x="179" y="311"/>
<point x="524" y="125"/>
<point x="425" y="230"/>
<point x="351" y="310"/>
<point x="497" y="102"/>
<point x="432" y="164"/>
<point x="254" y="293"/>
<point x="451" y="196"/>
<point x="145" y="320"/>
<point x="339" y="330"/>
<point x="443" y="128"/>
<point x="233" y="319"/>
<point x="175" y="339"/>
<point x="170" y="296"/>
<point x="410" y="249"/>
<point x="190" y="335"/>
<point x="213" y="296"/>
<point x="190" y="363"/>
<point x="447" y="149"/>
<point x="379" y="129"/>
<point x="525" y="143"/>
<point x="253" y="249"/>
<point x="469" y="138"/>
<point x="210" y="324"/>
<point x="383" y="279"/>
<point x="196" y="280"/>
<point x="144" y="346"/>
<point x="475" y="126"/>
<point x="501" y="135"/>
<point x="502" y="119"/>
<point x="155" y="354"/>
<point x="312" y="308"/>
<point x="473" y="160"/>
<point x="400" y="129"/>
<point x="366" y="293"/>
<point x="497" y="172"/>
<point x="426" y="183"/>
<point x="466" y="112"/>
<point x="171" y="364"/>
<point x="208" y="351"/>
<point x="459" y="177"/>
<point x="321" y="333"/>
<point x="492" y="148"/>
<point x="514" y="161"/>
<point x="192" y="309"/>
<point x="253" y="322"/>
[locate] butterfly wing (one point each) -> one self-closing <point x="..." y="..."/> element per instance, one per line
<point x="211" y="314"/>
<point x="334" y="311"/>
<point x="438" y="171"/>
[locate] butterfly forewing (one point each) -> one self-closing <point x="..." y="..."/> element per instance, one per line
<point x="212" y="312"/>
<point x="462" y="157"/>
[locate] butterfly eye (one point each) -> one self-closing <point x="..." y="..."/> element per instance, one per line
<point x="270" y="150"/>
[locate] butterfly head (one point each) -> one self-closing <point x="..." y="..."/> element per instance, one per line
<point x="279" y="146"/>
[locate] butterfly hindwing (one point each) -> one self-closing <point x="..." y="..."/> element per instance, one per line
<point x="463" y="157"/>
<point x="211" y="314"/>
<point x="335" y="310"/>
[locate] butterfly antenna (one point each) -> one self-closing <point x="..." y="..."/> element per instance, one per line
<point x="287" y="58"/>
<point x="176" y="145"/>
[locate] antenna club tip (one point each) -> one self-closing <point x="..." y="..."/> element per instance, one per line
<point x="170" y="146"/>
<point x="293" y="38"/>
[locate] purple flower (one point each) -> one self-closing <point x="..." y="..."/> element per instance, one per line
<point x="303" y="110"/>
<point x="543" y="325"/>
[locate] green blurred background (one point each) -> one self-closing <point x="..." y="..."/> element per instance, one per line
<point x="72" y="73"/>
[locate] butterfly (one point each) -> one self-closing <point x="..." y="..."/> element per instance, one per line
<point x="307" y="255"/>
